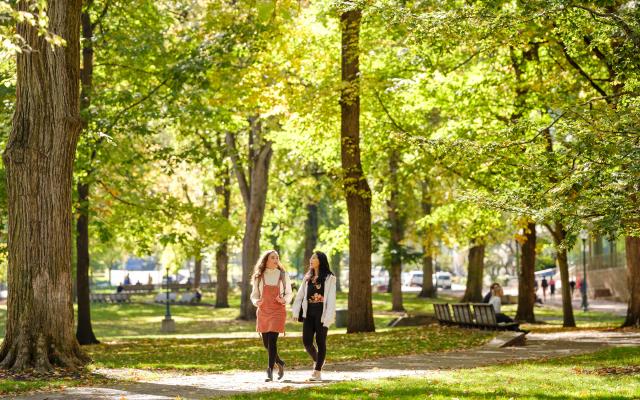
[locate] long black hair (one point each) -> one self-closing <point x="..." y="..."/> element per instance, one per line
<point x="323" y="268"/>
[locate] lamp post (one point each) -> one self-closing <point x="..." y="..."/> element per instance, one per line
<point x="168" y="324"/>
<point x="584" y="235"/>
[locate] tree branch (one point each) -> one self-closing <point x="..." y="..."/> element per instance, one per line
<point x="575" y="65"/>
<point x="237" y="167"/>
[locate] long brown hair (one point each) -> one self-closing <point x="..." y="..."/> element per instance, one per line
<point x="261" y="265"/>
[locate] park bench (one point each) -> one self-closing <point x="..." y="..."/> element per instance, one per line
<point x="138" y="289"/>
<point x="110" y="298"/>
<point x="482" y="316"/>
<point x="462" y="315"/>
<point x="485" y="318"/>
<point x="443" y="314"/>
<point x="162" y="297"/>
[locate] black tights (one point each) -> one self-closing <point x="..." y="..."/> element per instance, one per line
<point x="270" y="341"/>
<point x="311" y="326"/>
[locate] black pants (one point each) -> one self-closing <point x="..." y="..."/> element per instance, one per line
<point x="310" y="327"/>
<point x="270" y="341"/>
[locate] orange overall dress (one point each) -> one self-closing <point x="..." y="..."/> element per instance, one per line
<point x="271" y="314"/>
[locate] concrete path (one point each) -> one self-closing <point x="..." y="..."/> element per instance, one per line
<point x="598" y="305"/>
<point x="144" y="385"/>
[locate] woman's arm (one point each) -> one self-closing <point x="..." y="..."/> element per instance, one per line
<point x="297" y="303"/>
<point x="288" y="293"/>
<point x="330" y="301"/>
<point x="255" y="292"/>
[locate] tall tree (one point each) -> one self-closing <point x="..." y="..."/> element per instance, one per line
<point x="39" y="162"/>
<point x="428" y="288"/>
<point x="254" y="195"/>
<point x="84" y="330"/>
<point x="633" y="281"/>
<point x="526" y="274"/>
<point x="475" y="273"/>
<point x="357" y="191"/>
<point x="396" y="232"/>
<point x="222" y="251"/>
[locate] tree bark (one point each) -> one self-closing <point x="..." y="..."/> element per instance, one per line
<point x="526" y="276"/>
<point x="39" y="165"/>
<point x="254" y="194"/>
<point x="84" y="331"/>
<point x="559" y="234"/>
<point x="632" y="245"/>
<point x="335" y="265"/>
<point x="473" y="292"/>
<point x="428" y="288"/>
<point x="310" y="234"/>
<point x="222" y="257"/>
<point x="357" y="191"/>
<point x="197" y="271"/>
<point x="396" y="233"/>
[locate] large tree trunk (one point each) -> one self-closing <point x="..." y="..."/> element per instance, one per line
<point x="357" y="191"/>
<point x="396" y="233"/>
<point x="197" y="273"/>
<point x="84" y="331"/>
<point x="428" y="288"/>
<point x="39" y="165"/>
<point x="559" y="234"/>
<point x="473" y="292"/>
<point x="254" y="194"/>
<point x="310" y="234"/>
<point x="632" y="245"/>
<point x="526" y="276"/>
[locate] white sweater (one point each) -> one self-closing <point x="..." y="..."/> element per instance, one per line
<point x="271" y="277"/>
<point x="328" y="306"/>
<point x="496" y="302"/>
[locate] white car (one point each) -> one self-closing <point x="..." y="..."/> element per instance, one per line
<point x="440" y="279"/>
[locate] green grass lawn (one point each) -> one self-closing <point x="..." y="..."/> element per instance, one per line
<point x="607" y="375"/>
<point x="215" y="355"/>
<point x="141" y="319"/>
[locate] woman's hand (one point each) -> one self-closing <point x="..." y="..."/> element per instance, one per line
<point x="280" y="300"/>
<point x="259" y="303"/>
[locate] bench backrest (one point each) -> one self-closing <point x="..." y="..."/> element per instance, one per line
<point x="443" y="313"/>
<point x="462" y="313"/>
<point x="485" y="314"/>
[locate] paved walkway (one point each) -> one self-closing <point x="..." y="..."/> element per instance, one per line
<point x="598" y="305"/>
<point x="145" y="385"/>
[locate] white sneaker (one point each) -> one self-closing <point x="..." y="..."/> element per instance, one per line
<point x="316" y="376"/>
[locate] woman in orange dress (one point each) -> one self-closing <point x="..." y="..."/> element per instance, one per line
<point x="271" y="293"/>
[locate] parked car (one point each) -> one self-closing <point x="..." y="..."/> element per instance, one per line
<point x="442" y="279"/>
<point x="415" y="279"/>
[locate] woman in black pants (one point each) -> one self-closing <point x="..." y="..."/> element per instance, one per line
<point x="315" y="306"/>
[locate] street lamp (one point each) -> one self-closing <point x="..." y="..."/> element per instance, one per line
<point x="168" y="324"/>
<point x="584" y="235"/>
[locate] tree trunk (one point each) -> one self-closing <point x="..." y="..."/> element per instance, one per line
<point x="396" y="233"/>
<point x="310" y="234"/>
<point x="428" y="288"/>
<point x="526" y="276"/>
<point x="335" y="265"/>
<point x="84" y="331"/>
<point x="632" y="245"/>
<point x="559" y="234"/>
<point x="222" y="257"/>
<point x="473" y="292"/>
<point x="39" y="165"/>
<point x="357" y="191"/>
<point x="254" y="194"/>
<point x="197" y="271"/>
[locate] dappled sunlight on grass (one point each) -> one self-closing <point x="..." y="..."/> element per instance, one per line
<point x="547" y="380"/>
<point x="248" y="354"/>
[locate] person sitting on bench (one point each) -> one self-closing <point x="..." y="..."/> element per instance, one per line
<point x="496" y="301"/>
